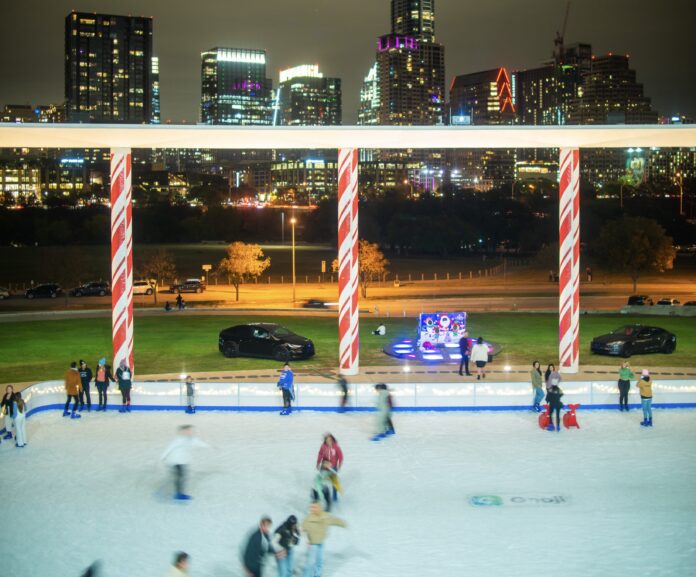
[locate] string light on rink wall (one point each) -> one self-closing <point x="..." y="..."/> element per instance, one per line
<point x="121" y="256"/>
<point x="348" y="266"/>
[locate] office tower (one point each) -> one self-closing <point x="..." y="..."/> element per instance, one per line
<point x="234" y="87"/>
<point x="414" y="18"/>
<point x="482" y="98"/>
<point x="108" y="76"/>
<point x="307" y="98"/>
<point x="369" y="98"/>
<point x="155" y="107"/>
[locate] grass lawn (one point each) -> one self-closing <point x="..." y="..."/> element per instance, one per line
<point x="39" y="350"/>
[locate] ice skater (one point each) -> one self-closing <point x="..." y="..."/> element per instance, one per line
<point x="180" y="566"/>
<point x="286" y="385"/>
<point x="323" y="484"/>
<point x="101" y="379"/>
<point x="537" y="386"/>
<point x="125" y="384"/>
<point x="190" y="395"/>
<point x="343" y="386"/>
<point x="257" y="548"/>
<point x="6" y="410"/>
<point x="20" y="421"/>
<point x="625" y="376"/>
<point x="644" y="385"/>
<point x="465" y="352"/>
<point x="73" y="386"/>
<point x="331" y="451"/>
<point x="178" y="456"/>
<point x="85" y="379"/>
<point x="553" y="398"/>
<point x="479" y="354"/>
<point x="551" y="376"/>
<point x="316" y="526"/>
<point x="382" y="405"/>
<point x="285" y="539"/>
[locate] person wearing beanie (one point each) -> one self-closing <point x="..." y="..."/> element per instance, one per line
<point x="85" y="378"/>
<point x="645" y="387"/>
<point x="124" y="377"/>
<point x="285" y="539"/>
<point x="73" y="386"/>
<point x="101" y="380"/>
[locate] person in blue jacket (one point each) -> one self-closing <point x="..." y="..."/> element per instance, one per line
<point x="286" y="384"/>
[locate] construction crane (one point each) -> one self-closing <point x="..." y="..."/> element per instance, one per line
<point x="560" y="36"/>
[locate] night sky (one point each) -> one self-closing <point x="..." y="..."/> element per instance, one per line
<point x="340" y="36"/>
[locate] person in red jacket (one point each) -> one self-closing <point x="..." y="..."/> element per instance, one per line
<point x="331" y="451"/>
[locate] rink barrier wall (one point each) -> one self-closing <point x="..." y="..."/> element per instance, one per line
<point x="455" y="396"/>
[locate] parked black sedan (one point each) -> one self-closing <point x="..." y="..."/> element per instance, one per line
<point x="266" y="340"/>
<point x="635" y="339"/>
<point x="89" y="289"/>
<point x="44" y="291"/>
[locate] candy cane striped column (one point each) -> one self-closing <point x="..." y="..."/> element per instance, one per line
<point x="348" y="266"/>
<point x="121" y="256"/>
<point x="569" y="261"/>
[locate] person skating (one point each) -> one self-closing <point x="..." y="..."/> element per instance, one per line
<point x="180" y="565"/>
<point x="286" y="384"/>
<point x="85" y="378"/>
<point x="331" y="451"/>
<point x="382" y="405"/>
<point x="102" y="378"/>
<point x="257" y="549"/>
<point x="479" y="354"/>
<point x="465" y="352"/>
<point x="178" y="456"/>
<point x="323" y="485"/>
<point x="537" y="386"/>
<point x="625" y="376"/>
<point x="73" y="386"/>
<point x="20" y="421"/>
<point x="285" y="539"/>
<point x="125" y="384"/>
<point x="551" y="376"/>
<point x="190" y="395"/>
<point x="343" y="386"/>
<point x="646" y="396"/>
<point x="6" y="410"/>
<point x="316" y="526"/>
<point x="553" y="398"/>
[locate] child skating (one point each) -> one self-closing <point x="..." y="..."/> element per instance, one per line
<point x="286" y="385"/>
<point x="190" y="395"/>
<point x="323" y="484"/>
<point x="178" y="456"/>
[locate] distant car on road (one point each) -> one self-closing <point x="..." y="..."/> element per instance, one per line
<point x="317" y="304"/>
<point x="265" y="340"/>
<point x="91" y="289"/>
<point x="639" y="300"/>
<point x="143" y="287"/>
<point x="4" y="293"/>
<point x="190" y="285"/>
<point x="44" y="291"/>
<point x="634" y="339"/>
<point x="668" y="302"/>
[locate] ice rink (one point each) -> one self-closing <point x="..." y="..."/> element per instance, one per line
<point x="611" y="499"/>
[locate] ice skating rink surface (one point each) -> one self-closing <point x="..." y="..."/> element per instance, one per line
<point x="451" y="494"/>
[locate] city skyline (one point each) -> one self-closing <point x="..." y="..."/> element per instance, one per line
<point x="308" y="35"/>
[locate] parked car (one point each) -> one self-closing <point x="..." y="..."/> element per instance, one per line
<point x="4" y="293"/>
<point x="190" y="285"/>
<point x="143" y="287"/>
<point x="316" y="304"/>
<point x="668" y="301"/>
<point x="44" y="291"/>
<point x="266" y="340"/>
<point x="91" y="289"/>
<point x="690" y="304"/>
<point x="639" y="300"/>
<point x="634" y="339"/>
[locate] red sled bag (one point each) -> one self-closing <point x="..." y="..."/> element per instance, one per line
<point x="545" y="418"/>
<point x="570" y="419"/>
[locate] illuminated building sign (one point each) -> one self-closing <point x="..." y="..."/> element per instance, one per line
<point x="244" y="56"/>
<point x="391" y="42"/>
<point x="246" y="85"/>
<point x="72" y="160"/>
<point x="504" y="91"/>
<point x="302" y="71"/>
<point x="461" y="120"/>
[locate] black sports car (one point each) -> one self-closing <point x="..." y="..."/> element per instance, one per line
<point x="633" y="340"/>
<point x="266" y="340"/>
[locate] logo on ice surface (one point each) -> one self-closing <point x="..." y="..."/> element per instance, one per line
<point x="518" y="500"/>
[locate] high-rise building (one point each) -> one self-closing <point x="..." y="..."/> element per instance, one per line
<point x="369" y="98"/>
<point x="307" y="98"/>
<point x="155" y="107"/>
<point x="108" y="74"/>
<point x="411" y="67"/>
<point x="482" y="98"/>
<point x="234" y="87"/>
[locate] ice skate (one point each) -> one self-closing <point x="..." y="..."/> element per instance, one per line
<point x="66" y="413"/>
<point x="182" y="497"/>
<point x="644" y="423"/>
<point x="8" y="435"/>
<point x="649" y="424"/>
<point x="128" y="409"/>
<point x="378" y="437"/>
<point x="122" y="410"/>
<point x="75" y="415"/>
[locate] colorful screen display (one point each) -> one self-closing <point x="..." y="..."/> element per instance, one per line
<point x="440" y="329"/>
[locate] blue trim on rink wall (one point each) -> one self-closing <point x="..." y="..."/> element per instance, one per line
<point x="264" y="409"/>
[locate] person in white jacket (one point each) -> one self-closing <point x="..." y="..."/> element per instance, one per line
<point x="479" y="356"/>
<point x="19" y="414"/>
<point x="178" y="456"/>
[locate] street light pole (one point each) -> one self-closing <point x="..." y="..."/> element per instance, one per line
<point x="292" y="224"/>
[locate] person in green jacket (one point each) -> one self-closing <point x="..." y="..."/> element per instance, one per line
<point x="625" y="376"/>
<point x="537" y="385"/>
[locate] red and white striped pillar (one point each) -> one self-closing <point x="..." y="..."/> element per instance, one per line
<point x="121" y="256"/>
<point x="569" y="261"/>
<point x="348" y="266"/>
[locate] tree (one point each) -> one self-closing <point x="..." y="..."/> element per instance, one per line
<point x="158" y="266"/>
<point x="243" y="263"/>
<point x="372" y="264"/>
<point x="635" y="245"/>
